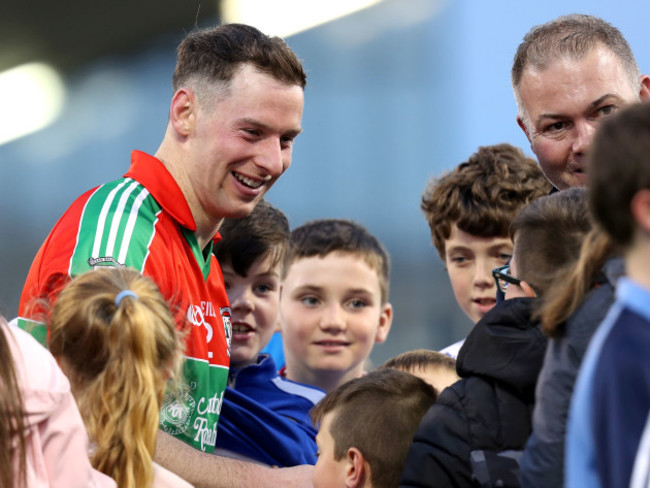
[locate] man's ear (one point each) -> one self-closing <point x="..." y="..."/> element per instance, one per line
<point x="357" y="470"/>
<point x="385" y="321"/>
<point x="182" y="111"/>
<point x="522" y="124"/>
<point x="644" y="92"/>
<point x="640" y="208"/>
<point x="528" y="290"/>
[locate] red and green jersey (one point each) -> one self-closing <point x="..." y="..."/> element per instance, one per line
<point x="144" y="222"/>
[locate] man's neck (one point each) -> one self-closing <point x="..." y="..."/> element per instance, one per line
<point x="206" y="228"/>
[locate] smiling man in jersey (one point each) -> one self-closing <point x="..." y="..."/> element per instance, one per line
<point x="235" y="112"/>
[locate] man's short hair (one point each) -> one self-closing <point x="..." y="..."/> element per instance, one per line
<point x="482" y="195"/>
<point x="264" y="232"/>
<point x="572" y="36"/>
<point x="378" y="414"/>
<point x="212" y="56"/>
<point x="325" y="236"/>
<point x="618" y="167"/>
<point x="420" y="359"/>
<point x="550" y="232"/>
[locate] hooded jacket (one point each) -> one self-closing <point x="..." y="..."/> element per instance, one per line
<point x="474" y="434"/>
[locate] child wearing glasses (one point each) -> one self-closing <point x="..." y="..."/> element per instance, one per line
<point x="469" y="211"/>
<point x="474" y="434"/>
<point x="608" y="433"/>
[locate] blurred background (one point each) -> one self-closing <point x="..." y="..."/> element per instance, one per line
<point x="399" y="91"/>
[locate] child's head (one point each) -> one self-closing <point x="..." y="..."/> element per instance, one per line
<point x="366" y="428"/>
<point x="333" y="305"/>
<point x="469" y="211"/>
<point x="436" y="368"/>
<point x="251" y="254"/>
<point x="619" y="175"/>
<point x="548" y="235"/>
<point x="115" y="338"/>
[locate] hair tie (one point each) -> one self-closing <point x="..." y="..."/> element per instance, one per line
<point x="122" y="294"/>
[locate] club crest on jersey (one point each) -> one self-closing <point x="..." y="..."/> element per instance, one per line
<point x="176" y="412"/>
<point x="106" y="262"/>
<point x="227" y="326"/>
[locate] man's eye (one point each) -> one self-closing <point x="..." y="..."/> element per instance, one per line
<point x="556" y="127"/>
<point x="287" y="141"/>
<point x="606" y="110"/>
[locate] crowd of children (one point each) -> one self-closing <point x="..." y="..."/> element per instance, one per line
<point x="550" y="388"/>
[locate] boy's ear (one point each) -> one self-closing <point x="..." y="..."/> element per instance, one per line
<point x="640" y="208"/>
<point x="357" y="470"/>
<point x="385" y="321"/>
<point x="528" y="290"/>
<point x="182" y="111"/>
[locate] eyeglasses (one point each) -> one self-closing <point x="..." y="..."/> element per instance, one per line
<point x="503" y="278"/>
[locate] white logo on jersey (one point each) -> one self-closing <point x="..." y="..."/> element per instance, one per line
<point x="227" y="326"/>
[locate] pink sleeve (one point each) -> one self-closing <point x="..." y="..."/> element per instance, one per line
<point x="57" y="440"/>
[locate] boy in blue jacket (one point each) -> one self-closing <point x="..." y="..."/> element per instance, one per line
<point x="264" y="417"/>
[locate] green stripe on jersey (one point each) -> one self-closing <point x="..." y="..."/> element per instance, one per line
<point x="202" y="256"/>
<point x="116" y="228"/>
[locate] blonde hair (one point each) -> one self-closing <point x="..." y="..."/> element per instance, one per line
<point x="119" y="355"/>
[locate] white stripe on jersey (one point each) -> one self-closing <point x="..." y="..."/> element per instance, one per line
<point x="130" y="225"/>
<point x="101" y="221"/>
<point x="117" y="218"/>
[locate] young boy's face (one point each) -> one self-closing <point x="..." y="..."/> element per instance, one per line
<point x="331" y="316"/>
<point x="328" y="472"/>
<point x="254" y="301"/>
<point x="470" y="260"/>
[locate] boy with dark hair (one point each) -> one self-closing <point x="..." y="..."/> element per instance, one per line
<point x="469" y="210"/>
<point x="264" y="417"/>
<point x="611" y="401"/>
<point x="436" y="368"/>
<point x="475" y="433"/>
<point x="334" y="302"/>
<point x="366" y="427"/>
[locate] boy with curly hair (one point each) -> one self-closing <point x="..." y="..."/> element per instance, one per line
<point x="469" y="211"/>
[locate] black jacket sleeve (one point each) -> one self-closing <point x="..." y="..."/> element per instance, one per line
<point x="440" y="452"/>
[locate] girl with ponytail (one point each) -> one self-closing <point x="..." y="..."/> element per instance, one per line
<point x="571" y="312"/>
<point x="43" y="442"/>
<point x="115" y="338"/>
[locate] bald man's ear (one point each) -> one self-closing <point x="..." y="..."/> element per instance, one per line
<point x="520" y="123"/>
<point x="644" y="93"/>
<point x="182" y="111"/>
